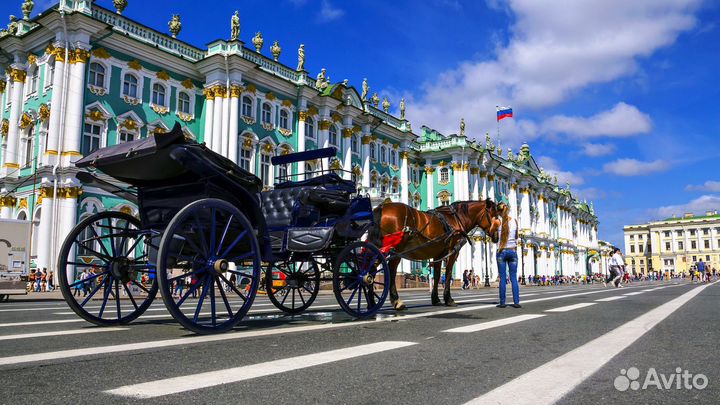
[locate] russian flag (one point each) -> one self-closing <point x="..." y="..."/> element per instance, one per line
<point x="504" y="112"/>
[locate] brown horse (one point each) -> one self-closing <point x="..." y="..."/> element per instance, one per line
<point x="437" y="234"/>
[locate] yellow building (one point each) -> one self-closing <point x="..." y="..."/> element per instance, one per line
<point x="673" y="244"/>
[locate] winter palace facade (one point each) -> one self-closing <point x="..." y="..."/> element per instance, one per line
<point x="79" y="76"/>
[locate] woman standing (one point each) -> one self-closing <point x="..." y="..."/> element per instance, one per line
<point x="507" y="259"/>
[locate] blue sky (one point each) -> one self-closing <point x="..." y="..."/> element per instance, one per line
<point x="619" y="98"/>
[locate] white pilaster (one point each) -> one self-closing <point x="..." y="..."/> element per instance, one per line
<point x="225" y="126"/>
<point x="404" y="178"/>
<point x="232" y="149"/>
<point x="217" y="134"/>
<point x="525" y="207"/>
<point x="209" y="115"/>
<point x="11" y="164"/>
<point x="45" y="228"/>
<point x="365" y="140"/>
<point x="347" y="138"/>
<point x="74" y="111"/>
<point x="302" y="117"/>
<point x="53" y="137"/>
<point x="430" y="179"/>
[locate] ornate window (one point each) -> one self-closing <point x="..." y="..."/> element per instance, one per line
<point x="265" y="169"/>
<point x="444" y="197"/>
<point x="310" y="128"/>
<point x="126" y="136"/>
<point x="158" y="94"/>
<point x="184" y="102"/>
<point x="245" y="158"/>
<point x="309" y="169"/>
<point x="372" y="150"/>
<point x="284" y="119"/>
<point x="333" y="136"/>
<point x="97" y="75"/>
<point x="355" y="144"/>
<point x="266" y="113"/>
<point x="33" y="79"/>
<point x="383" y="158"/>
<point x="444" y="175"/>
<point x="247" y="106"/>
<point x="130" y="86"/>
<point x="49" y="74"/>
<point x="91" y="138"/>
<point x="393" y="157"/>
<point x="394" y="185"/>
<point x="27" y="158"/>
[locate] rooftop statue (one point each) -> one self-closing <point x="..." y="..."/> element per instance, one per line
<point x="402" y="109"/>
<point x="365" y="89"/>
<point x="235" y="26"/>
<point x="301" y="57"/>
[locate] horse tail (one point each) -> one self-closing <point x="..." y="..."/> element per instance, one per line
<point x="374" y="236"/>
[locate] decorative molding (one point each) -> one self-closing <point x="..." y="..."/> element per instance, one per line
<point x="248" y="120"/>
<point x="325" y="125"/>
<point x="79" y="56"/>
<point x="312" y="110"/>
<point x="4" y="127"/>
<point x="132" y="100"/>
<point x="285" y="132"/>
<point x="129" y="124"/>
<point x="366" y="140"/>
<point x="235" y="91"/>
<point x="96" y="115"/>
<point x="251" y="88"/>
<point x="347" y="133"/>
<point x="8" y="201"/>
<point x="159" y="109"/>
<point x="302" y="116"/>
<point x="336" y="117"/>
<point x="474" y="170"/>
<point x="404" y="154"/>
<point x="188" y="84"/>
<point x="270" y="96"/>
<point x="268" y="126"/>
<point x="70" y="192"/>
<point x="134" y="64"/>
<point x="2" y="86"/>
<point x="429" y="170"/>
<point x="32" y="59"/>
<point x="17" y="75"/>
<point x="101" y="53"/>
<point x="25" y="120"/>
<point x="209" y="93"/>
<point x="287" y="103"/>
<point x="163" y="75"/>
<point x="185" y="117"/>
<point x="44" y="112"/>
<point x="98" y="91"/>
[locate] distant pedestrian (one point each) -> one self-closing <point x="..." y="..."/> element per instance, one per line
<point x="616" y="263"/>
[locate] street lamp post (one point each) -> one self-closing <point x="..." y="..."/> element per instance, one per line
<point x="522" y="254"/>
<point x="487" y="266"/>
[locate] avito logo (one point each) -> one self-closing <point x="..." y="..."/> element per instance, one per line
<point x="681" y="379"/>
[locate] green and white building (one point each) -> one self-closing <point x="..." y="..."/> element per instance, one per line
<point x="79" y="76"/>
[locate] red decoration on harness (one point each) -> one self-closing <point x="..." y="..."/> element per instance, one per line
<point x="391" y="241"/>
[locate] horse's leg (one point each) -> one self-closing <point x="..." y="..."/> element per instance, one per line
<point x="397" y="303"/>
<point x="437" y="267"/>
<point x="448" y="271"/>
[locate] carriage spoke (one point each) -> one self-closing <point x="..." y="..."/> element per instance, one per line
<point x="97" y="287"/>
<point x="359" y="298"/>
<point x="301" y="296"/>
<point x="212" y="301"/>
<point x="117" y="298"/>
<point x="185" y="275"/>
<point x="92" y="228"/>
<point x="307" y="289"/>
<point x="94" y="276"/>
<point x="244" y="298"/>
<point x="222" y="239"/>
<point x="191" y="243"/>
<point x="133" y="246"/>
<point x="193" y="288"/>
<point x="104" y="258"/>
<point x="234" y="242"/>
<point x="142" y="287"/>
<point x="284" y="295"/>
<point x="224" y="297"/>
<point x="203" y="242"/>
<point x="132" y="299"/>
<point x="106" y="295"/>
<point x="212" y="231"/>
<point x="250" y="276"/>
<point x="201" y="300"/>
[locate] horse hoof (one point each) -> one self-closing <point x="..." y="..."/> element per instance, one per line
<point x="436" y="302"/>
<point x="399" y="306"/>
<point x="450" y="303"/>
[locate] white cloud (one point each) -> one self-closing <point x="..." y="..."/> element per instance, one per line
<point x="328" y="12"/>
<point x="634" y="167"/>
<point x="620" y="121"/>
<point x="551" y="167"/>
<point x="697" y="206"/>
<point x="590" y="193"/>
<point x="711" y="186"/>
<point x="598" y="149"/>
<point x="556" y="48"/>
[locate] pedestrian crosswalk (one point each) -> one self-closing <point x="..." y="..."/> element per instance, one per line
<point x="537" y="310"/>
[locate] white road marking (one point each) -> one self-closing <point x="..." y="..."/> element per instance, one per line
<point x="554" y="379"/>
<point x="12" y="324"/>
<point x="185" y="383"/>
<point x="31" y="309"/>
<point x="103" y="350"/>
<point x="493" y="324"/>
<point x="613" y="298"/>
<point x="634" y="293"/>
<point x="571" y="307"/>
<point x="60" y="333"/>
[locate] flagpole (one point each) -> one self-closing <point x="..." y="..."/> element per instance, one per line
<point x="497" y="139"/>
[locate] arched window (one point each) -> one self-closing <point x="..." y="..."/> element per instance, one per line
<point x="372" y="150"/>
<point x="97" y="75"/>
<point x="310" y="128"/>
<point x="90" y="139"/>
<point x="284" y="119"/>
<point x="130" y="86"/>
<point x="29" y="147"/>
<point x="158" y="94"/>
<point x="394" y="185"/>
<point x="355" y="145"/>
<point x="333" y="136"/>
<point x="33" y="81"/>
<point x="265" y="169"/>
<point x="382" y="154"/>
<point x="444" y="175"/>
<point x="247" y="105"/>
<point x="266" y="114"/>
<point x="384" y="185"/>
<point x="393" y="157"/>
<point x="184" y="103"/>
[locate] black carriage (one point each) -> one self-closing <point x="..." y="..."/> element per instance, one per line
<point x="204" y="231"/>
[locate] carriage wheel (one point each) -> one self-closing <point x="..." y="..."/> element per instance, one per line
<point x="360" y="279"/>
<point x="296" y="286"/>
<point x="104" y="272"/>
<point x="203" y="245"/>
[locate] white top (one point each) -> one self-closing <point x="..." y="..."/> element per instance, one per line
<point x="512" y="232"/>
<point x="616" y="260"/>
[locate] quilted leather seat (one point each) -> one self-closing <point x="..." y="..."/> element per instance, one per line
<point x="277" y="205"/>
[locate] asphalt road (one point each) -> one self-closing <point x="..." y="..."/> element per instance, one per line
<point x="567" y="345"/>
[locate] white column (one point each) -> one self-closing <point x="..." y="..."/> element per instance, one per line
<point x="217" y="134"/>
<point x="53" y="136"/>
<point x="542" y="226"/>
<point x="484" y="185"/>
<point x="404" y="178"/>
<point x="491" y="186"/>
<point x="232" y="144"/>
<point x="302" y="117"/>
<point x="6" y="206"/>
<point x="525" y="207"/>
<point x="430" y="178"/>
<point x="11" y="149"/>
<point x="45" y="228"/>
<point x="323" y="138"/>
<point x="475" y="181"/>
<point x="225" y="126"/>
<point x="67" y="211"/>
<point x="512" y="197"/>
<point x="366" y="156"/>
<point x="209" y="115"/>
<point x="74" y="116"/>
<point x="347" y="134"/>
